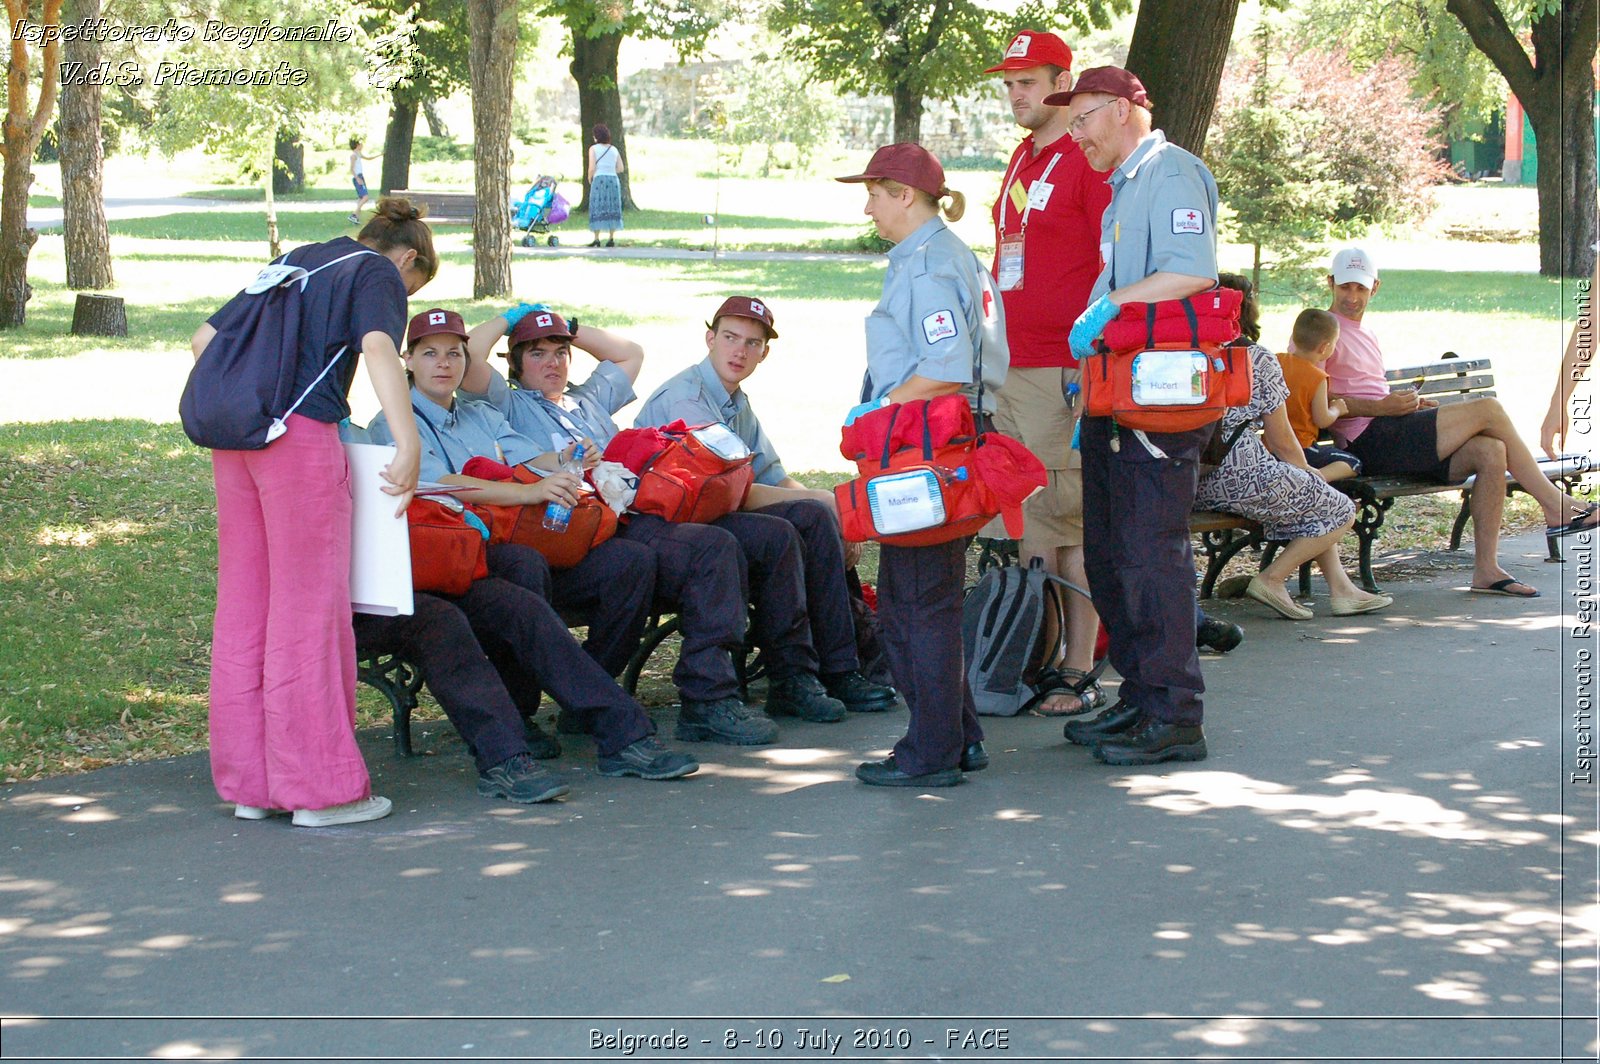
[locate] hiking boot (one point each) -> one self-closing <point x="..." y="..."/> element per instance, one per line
<point x="859" y="694"/>
<point x="727" y="720"/>
<point x="1152" y="742"/>
<point x="648" y="760"/>
<point x="519" y="778"/>
<point x="1220" y="636"/>
<point x="373" y="808"/>
<point x="1118" y="718"/>
<point x="802" y="695"/>
<point x="571" y="722"/>
<point x="541" y="744"/>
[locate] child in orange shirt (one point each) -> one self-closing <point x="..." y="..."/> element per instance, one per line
<point x="1311" y="344"/>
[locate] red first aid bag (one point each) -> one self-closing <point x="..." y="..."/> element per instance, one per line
<point x="699" y="473"/>
<point x="592" y="522"/>
<point x="449" y="547"/>
<point x="927" y="477"/>
<point x="1165" y="367"/>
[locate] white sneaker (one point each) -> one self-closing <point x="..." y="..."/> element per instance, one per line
<point x="374" y="808"/>
<point x="256" y="812"/>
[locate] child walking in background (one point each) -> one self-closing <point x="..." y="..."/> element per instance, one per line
<point x="1311" y="344"/>
<point x="358" y="176"/>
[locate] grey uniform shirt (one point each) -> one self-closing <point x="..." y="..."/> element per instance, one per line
<point x="1162" y="217"/>
<point x="698" y="396"/>
<point x="451" y="437"/>
<point x="585" y="410"/>
<point x="938" y="311"/>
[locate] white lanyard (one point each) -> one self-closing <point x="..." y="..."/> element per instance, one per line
<point x="1005" y="193"/>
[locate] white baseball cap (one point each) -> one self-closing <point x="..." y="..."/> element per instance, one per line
<point x="1353" y="264"/>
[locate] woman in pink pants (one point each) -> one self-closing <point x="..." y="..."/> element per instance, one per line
<point x="283" y="657"/>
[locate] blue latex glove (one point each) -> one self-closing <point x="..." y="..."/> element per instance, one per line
<point x="865" y="408"/>
<point x="1076" y="426"/>
<point x="1090" y="324"/>
<point x="520" y="311"/>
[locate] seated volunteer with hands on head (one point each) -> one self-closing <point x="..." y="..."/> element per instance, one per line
<point x="699" y="568"/>
<point x="738" y="339"/>
<point x="283" y="659"/>
<point x="525" y="636"/>
<point x="923" y="341"/>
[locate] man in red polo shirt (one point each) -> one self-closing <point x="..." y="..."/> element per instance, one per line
<point x="1047" y="241"/>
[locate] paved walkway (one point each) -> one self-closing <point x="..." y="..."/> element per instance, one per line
<point x="1384" y="858"/>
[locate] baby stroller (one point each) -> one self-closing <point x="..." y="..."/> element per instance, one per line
<point x="538" y="210"/>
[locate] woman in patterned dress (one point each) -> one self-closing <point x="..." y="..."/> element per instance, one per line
<point x="1265" y="478"/>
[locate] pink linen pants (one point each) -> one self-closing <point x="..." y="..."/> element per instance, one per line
<point x="283" y="658"/>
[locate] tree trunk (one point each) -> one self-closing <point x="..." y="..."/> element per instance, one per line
<point x="21" y="136"/>
<point x="274" y="248"/>
<point x="594" y="68"/>
<point x="97" y="315"/>
<point x="1179" y="51"/>
<point x="289" y="164"/>
<point x="907" y="114"/>
<point x="397" y="142"/>
<point x="87" y="242"/>
<point x="492" y="25"/>
<point x="436" y="126"/>
<point x="1556" y="89"/>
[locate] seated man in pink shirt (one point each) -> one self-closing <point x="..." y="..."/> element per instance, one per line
<point x="1399" y="431"/>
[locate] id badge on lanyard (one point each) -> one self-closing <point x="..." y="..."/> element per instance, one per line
<point x="1009" y="278"/>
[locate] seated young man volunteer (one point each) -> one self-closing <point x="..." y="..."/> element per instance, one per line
<point x="738" y="340"/>
<point x="526" y="638"/>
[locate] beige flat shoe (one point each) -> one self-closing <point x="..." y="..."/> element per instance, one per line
<point x="1351" y="607"/>
<point x="1279" y="603"/>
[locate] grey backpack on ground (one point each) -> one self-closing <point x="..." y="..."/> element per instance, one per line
<point x="1011" y="628"/>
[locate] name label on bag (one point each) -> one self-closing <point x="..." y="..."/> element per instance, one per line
<point x="905" y="502"/>
<point x="1169" y="378"/>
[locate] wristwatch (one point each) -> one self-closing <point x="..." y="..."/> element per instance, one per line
<point x="572" y="327"/>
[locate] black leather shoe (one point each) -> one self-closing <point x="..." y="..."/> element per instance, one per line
<point x="974" y="758"/>
<point x="1220" y="636"/>
<point x="886" y="773"/>
<point x="859" y="694"/>
<point x="541" y="744"/>
<point x="802" y="695"/>
<point x="1152" y="742"/>
<point x="1118" y="717"/>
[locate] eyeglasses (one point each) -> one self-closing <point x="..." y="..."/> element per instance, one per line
<point x="1076" y="125"/>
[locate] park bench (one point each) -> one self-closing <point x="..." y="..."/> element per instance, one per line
<point x="453" y="208"/>
<point x="1450" y="380"/>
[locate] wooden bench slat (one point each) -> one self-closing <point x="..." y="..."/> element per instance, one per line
<point x="1475" y="384"/>
<point x="1448" y="368"/>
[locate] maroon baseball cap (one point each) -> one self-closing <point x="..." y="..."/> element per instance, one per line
<point x="1031" y="48"/>
<point x="1110" y="80"/>
<point x="909" y="164"/>
<point x="432" y="323"/>
<point x="537" y="325"/>
<point x="746" y="307"/>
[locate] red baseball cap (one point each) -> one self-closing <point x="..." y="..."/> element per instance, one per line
<point x="1110" y="80"/>
<point x="1032" y="48"/>
<point x="432" y="323"/>
<point x="909" y="164"/>
<point x="746" y="307"/>
<point x="537" y="325"/>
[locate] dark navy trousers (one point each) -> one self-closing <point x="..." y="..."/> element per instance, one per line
<point x="920" y="590"/>
<point x="486" y="654"/>
<point x="829" y="619"/>
<point x="700" y="573"/>
<point x="1140" y="562"/>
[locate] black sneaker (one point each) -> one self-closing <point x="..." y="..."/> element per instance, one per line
<point x="571" y="722"/>
<point x="727" y="720"/>
<point x="648" y="760"/>
<point x="519" y="778"/>
<point x="1220" y="636"/>
<point x="541" y="744"/>
<point x="1153" y="742"/>
<point x="859" y="694"/>
<point x="802" y="695"/>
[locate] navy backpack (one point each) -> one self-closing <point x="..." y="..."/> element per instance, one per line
<point x="241" y="389"/>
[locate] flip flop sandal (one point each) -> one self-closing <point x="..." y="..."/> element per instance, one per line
<point x="1503" y="587"/>
<point x="1585" y="520"/>
<point x="1083" y="686"/>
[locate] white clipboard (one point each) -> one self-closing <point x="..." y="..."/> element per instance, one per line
<point x="380" y="545"/>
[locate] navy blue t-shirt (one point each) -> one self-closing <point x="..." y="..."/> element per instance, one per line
<point x="340" y="305"/>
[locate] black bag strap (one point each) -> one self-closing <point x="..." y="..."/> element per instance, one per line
<point x="1149" y="324"/>
<point x="444" y="452"/>
<point x="1194" y="320"/>
<point x="888" y="433"/>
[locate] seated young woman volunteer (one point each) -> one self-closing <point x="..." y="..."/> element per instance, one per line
<point x="532" y="639"/>
<point x="544" y="408"/>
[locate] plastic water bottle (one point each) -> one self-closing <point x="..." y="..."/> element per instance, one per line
<point x="557" y="514"/>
